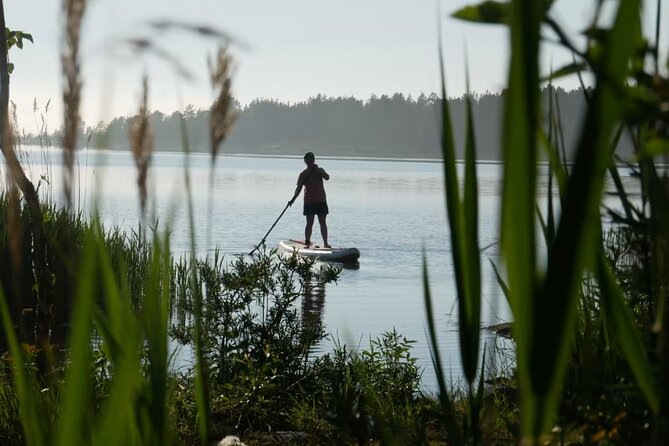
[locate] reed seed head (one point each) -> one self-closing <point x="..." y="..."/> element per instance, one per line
<point x="222" y="114"/>
<point x="141" y="143"/>
<point x="73" y="11"/>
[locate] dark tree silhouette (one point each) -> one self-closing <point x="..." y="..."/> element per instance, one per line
<point x="382" y="126"/>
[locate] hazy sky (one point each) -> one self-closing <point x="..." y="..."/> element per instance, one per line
<point x="295" y="49"/>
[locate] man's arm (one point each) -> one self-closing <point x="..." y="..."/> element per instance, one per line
<point x="298" y="189"/>
<point x="324" y="174"/>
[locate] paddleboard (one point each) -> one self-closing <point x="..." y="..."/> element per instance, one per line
<point x="342" y="255"/>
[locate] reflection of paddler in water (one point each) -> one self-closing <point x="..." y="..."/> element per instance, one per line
<point x="313" y="303"/>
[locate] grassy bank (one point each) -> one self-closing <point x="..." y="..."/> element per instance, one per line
<point x="110" y="355"/>
<point x="590" y="366"/>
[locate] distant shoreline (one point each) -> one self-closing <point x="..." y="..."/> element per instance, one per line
<point x="33" y="147"/>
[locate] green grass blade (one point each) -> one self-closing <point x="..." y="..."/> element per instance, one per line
<point x="155" y="316"/>
<point x="201" y="374"/>
<point x="521" y="110"/>
<point x="566" y="70"/>
<point x="487" y="12"/>
<point x="470" y="303"/>
<point x="201" y="386"/>
<point x="620" y="189"/>
<point x="575" y="245"/>
<point x="659" y="232"/>
<point x="476" y="404"/>
<point x="447" y="409"/>
<point x="627" y="333"/>
<point x="560" y="147"/>
<point x="119" y="317"/>
<point x="658" y="27"/>
<point x="118" y="420"/>
<point x="501" y="282"/>
<point x="544" y="227"/>
<point x="31" y="410"/>
<point x="557" y="166"/>
<point x="584" y="90"/>
<point x="463" y="225"/>
<point x="77" y="388"/>
<point x="550" y="217"/>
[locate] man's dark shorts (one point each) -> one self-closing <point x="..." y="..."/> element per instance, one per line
<point x="319" y="208"/>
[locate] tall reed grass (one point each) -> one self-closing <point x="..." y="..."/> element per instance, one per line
<point x="547" y="298"/>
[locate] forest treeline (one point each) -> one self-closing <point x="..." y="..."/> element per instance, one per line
<point x="381" y="126"/>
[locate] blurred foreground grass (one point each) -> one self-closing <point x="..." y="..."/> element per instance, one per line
<point x="86" y="313"/>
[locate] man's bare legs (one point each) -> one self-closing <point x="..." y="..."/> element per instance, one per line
<point x="307" y="229"/>
<point x="324" y="229"/>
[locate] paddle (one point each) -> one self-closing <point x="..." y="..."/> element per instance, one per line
<point x="270" y="229"/>
<point x="284" y="211"/>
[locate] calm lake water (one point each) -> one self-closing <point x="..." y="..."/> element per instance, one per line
<point x="393" y="211"/>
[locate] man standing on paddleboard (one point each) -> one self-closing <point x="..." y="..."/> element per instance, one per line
<point x="315" y="202"/>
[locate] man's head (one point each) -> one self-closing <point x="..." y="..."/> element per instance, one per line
<point x="309" y="158"/>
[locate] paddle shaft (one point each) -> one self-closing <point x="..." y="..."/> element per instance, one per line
<point x="270" y="229"/>
<point x="284" y="211"/>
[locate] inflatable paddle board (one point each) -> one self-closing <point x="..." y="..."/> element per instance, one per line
<point x="342" y="255"/>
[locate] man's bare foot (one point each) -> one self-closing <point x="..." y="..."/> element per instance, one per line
<point x="307" y="243"/>
<point x="327" y="246"/>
